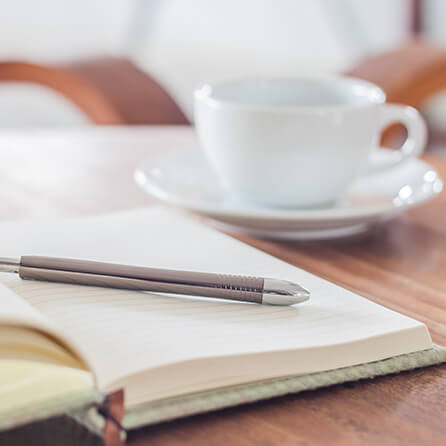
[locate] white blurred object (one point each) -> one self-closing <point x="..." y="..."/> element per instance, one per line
<point x="433" y="17"/>
<point x="196" y="40"/>
<point x="384" y="24"/>
<point x="55" y="30"/>
<point x="183" y="42"/>
<point x="30" y="105"/>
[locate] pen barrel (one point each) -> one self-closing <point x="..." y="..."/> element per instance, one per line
<point x="241" y="288"/>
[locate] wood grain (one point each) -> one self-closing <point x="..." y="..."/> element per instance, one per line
<point x="400" y="264"/>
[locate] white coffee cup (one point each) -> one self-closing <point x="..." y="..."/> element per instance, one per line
<point x="298" y="142"/>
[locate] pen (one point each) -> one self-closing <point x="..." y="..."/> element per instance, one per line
<point x="222" y="286"/>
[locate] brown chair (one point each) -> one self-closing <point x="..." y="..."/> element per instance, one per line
<point x="75" y="88"/>
<point x="114" y="91"/>
<point x="137" y="97"/>
<point x="409" y="75"/>
<point x="109" y="90"/>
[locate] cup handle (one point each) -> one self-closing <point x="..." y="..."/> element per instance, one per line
<point x="415" y="141"/>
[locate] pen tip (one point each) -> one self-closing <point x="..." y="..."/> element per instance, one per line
<point x="283" y="292"/>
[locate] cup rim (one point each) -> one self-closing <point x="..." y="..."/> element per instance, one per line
<point x="203" y="93"/>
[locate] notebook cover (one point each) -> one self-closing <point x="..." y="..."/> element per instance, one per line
<point x="85" y="419"/>
<point x="49" y="408"/>
<point x="247" y="393"/>
<point x="80" y="417"/>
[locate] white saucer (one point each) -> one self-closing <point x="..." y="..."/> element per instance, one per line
<point x="184" y="179"/>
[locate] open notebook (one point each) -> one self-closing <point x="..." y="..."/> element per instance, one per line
<point x="63" y="346"/>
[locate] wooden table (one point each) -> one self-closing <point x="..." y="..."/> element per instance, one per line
<point x="401" y="265"/>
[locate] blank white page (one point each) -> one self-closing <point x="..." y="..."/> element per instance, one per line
<point x="21" y="324"/>
<point x="123" y="333"/>
<point x="15" y="311"/>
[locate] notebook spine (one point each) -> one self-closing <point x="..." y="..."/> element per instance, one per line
<point x="112" y="410"/>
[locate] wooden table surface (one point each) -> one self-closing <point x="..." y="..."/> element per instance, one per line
<point x="401" y="265"/>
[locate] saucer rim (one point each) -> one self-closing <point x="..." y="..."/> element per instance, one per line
<point x="301" y="234"/>
<point x="142" y="178"/>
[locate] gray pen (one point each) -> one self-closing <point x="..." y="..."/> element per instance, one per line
<point x="222" y="286"/>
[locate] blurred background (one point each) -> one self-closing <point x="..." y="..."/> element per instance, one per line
<point x="70" y="63"/>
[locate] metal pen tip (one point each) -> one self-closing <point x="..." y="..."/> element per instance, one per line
<point x="283" y="292"/>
